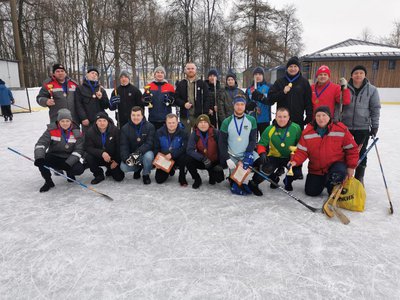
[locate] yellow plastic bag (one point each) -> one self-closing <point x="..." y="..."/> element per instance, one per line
<point x="353" y="195"/>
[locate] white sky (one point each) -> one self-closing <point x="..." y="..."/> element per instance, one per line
<point x="328" y="22"/>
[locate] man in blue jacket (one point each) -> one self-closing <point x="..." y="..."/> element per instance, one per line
<point x="171" y="140"/>
<point x="257" y="100"/>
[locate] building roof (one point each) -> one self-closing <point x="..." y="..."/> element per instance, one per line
<point x="354" y="49"/>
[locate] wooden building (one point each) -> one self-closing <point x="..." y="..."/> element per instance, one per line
<point x="381" y="61"/>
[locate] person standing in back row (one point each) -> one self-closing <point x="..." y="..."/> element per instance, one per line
<point x="192" y="97"/>
<point x="361" y="116"/>
<point x="58" y="92"/>
<point x="124" y="98"/>
<point x="90" y="99"/>
<point x="293" y="92"/>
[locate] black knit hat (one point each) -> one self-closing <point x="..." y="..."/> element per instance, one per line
<point x="324" y="109"/>
<point x="2" y="81"/>
<point x="293" y="61"/>
<point x="213" y="72"/>
<point x="92" y="68"/>
<point x="102" y="115"/>
<point x="258" y="70"/>
<point x="58" y="66"/>
<point x="359" y="67"/>
<point x="232" y="75"/>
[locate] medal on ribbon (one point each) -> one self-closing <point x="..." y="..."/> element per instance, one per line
<point x="239" y="129"/>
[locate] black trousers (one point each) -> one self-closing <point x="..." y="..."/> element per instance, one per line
<point x="361" y="137"/>
<point x="315" y="184"/>
<point x="271" y="167"/>
<point x="261" y="127"/>
<point x="180" y="163"/>
<point x="59" y="163"/>
<point x="6" y="111"/>
<point x="94" y="166"/>
<point x="193" y="165"/>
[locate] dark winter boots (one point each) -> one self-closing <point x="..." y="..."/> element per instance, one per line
<point x="97" y="179"/>
<point x="47" y="186"/>
<point x="254" y="188"/>
<point x="197" y="182"/>
<point x="360" y="171"/>
<point x="136" y="174"/>
<point x="146" y="179"/>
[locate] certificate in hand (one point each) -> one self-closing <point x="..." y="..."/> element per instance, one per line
<point x="161" y="162"/>
<point x="239" y="174"/>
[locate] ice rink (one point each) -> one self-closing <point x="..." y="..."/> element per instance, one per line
<point x="169" y="242"/>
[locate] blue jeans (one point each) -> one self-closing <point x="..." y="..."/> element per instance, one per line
<point x="146" y="161"/>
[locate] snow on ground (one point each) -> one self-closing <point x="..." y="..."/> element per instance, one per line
<point x="169" y="242"/>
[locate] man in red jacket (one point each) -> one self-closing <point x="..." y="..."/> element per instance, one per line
<point x="327" y="93"/>
<point x="331" y="150"/>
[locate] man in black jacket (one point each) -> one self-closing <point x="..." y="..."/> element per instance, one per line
<point x="124" y="98"/>
<point x="191" y="95"/>
<point x="90" y="98"/>
<point x="137" y="138"/>
<point x="102" y="149"/>
<point x="293" y="92"/>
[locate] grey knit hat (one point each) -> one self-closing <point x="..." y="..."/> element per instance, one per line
<point x="64" y="113"/>
<point x="159" y="68"/>
<point x="124" y="73"/>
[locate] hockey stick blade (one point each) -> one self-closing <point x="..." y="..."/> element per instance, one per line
<point x="63" y="175"/>
<point x="265" y="176"/>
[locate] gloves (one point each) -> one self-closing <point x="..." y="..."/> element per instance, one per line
<point x="169" y="99"/>
<point x="257" y="96"/>
<point x="251" y="105"/>
<point x="343" y="83"/>
<point x="115" y="100"/>
<point x="147" y="98"/>
<point x="134" y="159"/>
<point x="231" y="164"/>
<point x="39" y="162"/>
<point x="373" y="131"/>
<point x="207" y="163"/>
<point x="248" y="160"/>
<point x="263" y="158"/>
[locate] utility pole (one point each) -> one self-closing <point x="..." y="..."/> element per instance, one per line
<point x="17" y="41"/>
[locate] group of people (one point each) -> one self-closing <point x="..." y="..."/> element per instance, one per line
<point x="214" y="128"/>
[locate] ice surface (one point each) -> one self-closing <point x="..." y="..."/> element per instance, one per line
<point x="169" y="242"/>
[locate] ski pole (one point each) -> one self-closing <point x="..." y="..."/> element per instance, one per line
<point x="63" y="175"/>
<point x="265" y="176"/>
<point x="383" y="176"/>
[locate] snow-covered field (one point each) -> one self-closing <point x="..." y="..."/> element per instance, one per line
<point x="169" y="242"/>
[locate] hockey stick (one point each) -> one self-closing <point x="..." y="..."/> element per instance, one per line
<point x="20" y="107"/>
<point x="117" y="112"/>
<point x="383" y="176"/>
<point x="335" y="195"/>
<point x="265" y="176"/>
<point x="202" y="95"/>
<point x="63" y="175"/>
<point x="216" y="101"/>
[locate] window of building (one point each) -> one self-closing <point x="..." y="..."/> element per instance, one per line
<point x="375" y="65"/>
<point x="392" y="64"/>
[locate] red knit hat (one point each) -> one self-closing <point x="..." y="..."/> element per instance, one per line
<point x="323" y="69"/>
